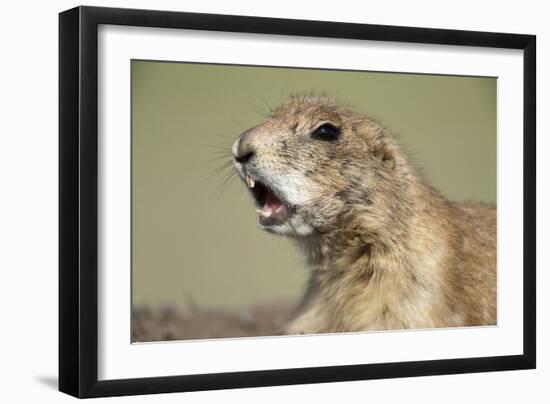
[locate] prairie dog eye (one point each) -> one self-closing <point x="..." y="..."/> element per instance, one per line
<point x="326" y="132"/>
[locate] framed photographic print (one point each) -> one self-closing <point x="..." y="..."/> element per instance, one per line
<point x="251" y="201"/>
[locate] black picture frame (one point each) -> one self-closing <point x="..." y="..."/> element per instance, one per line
<point x="78" y="201"/>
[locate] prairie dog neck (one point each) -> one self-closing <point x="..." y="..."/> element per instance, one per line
<point x="366" y="277"/>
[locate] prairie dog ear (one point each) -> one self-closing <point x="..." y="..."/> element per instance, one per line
<point x="380" y="144"/>
<point x="384" y="151"/>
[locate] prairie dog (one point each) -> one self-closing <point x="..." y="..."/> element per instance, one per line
<point x="386" y="250"/>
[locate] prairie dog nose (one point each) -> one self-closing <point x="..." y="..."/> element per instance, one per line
<point x="242" y="148"/>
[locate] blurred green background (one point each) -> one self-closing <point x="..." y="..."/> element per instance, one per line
<point x="197" y="243"/>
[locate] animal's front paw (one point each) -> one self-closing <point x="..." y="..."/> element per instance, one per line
<point x="293" y="332"/>
<point x="295" y="329"/>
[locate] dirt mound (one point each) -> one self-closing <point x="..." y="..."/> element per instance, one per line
<point x="171" y="323"/>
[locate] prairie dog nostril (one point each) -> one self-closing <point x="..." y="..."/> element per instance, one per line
<point x="243" y="149"/>
<point x="243" y="158"/>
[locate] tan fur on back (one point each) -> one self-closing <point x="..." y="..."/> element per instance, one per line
<point x="386" y="250"/>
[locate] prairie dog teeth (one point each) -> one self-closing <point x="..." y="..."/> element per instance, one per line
<point x="264" y="213"/>
<point x="249" y="181"/>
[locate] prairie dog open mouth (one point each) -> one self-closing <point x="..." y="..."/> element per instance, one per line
<point x="272" y="208"/>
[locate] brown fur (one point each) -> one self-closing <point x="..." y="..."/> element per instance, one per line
<point x="387" y="251"/>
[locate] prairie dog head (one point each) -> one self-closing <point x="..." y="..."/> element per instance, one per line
<point x="311" y="162"/>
